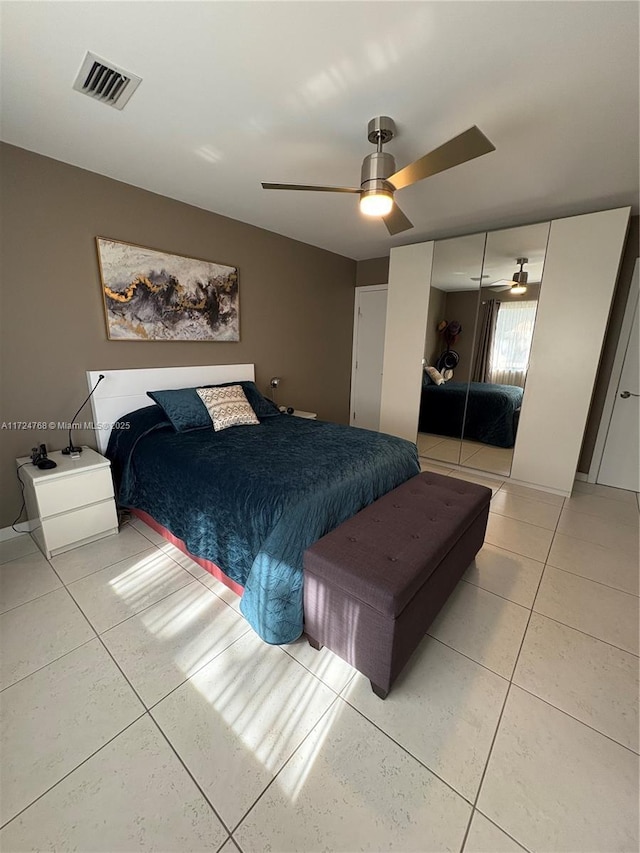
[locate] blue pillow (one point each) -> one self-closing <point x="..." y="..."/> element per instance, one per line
<point x="186" y="411"/>
<point x="183" y="407"/>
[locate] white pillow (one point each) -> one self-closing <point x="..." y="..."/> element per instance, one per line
<point x="227" y="406"/>
<point x="436" y="377"/>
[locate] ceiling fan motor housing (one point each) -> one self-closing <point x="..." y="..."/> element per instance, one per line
<point x="376" y="168"/>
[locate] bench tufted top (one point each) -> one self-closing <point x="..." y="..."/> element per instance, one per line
<point x="386" y="552"/>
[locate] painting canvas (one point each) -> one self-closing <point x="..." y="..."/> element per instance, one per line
<point x="154" y="296"/>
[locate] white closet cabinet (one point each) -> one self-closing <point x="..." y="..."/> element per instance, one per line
<point x="580" y="272"/>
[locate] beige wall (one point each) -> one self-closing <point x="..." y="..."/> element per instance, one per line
<point x="372" y="271"/>
<point x="296" y="301"/>
<point x="433" y="342"/>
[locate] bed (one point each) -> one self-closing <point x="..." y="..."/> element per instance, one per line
<point x="250" y="499"/>
<point x="492" y="411"/>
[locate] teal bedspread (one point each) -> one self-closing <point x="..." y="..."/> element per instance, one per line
<point x="252" y="498"/>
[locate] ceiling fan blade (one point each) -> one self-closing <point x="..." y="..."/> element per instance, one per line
<point x="311" y="188"/>
<point x="466" y="146"/>
<point x="503" y="286"/>
<point x="396" y="221"/>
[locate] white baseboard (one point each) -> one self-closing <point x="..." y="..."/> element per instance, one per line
<point x="584" y="478"/>
<point x="10" y="533"/>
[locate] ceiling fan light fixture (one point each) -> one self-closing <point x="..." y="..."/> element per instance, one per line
<point x="520" y="278"/>
<point x="518" y="289"/>
<point x="376" y="202"/>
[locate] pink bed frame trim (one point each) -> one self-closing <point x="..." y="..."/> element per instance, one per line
<point x="207" y="565"/>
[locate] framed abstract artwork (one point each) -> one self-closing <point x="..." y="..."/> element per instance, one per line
<point x="151" y="295"/>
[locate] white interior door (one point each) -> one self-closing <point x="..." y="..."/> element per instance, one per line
<point x="368" y="355"/>
<point x="620" y="466"/>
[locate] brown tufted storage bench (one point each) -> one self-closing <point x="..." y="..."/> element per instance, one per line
<point x="374" y="584"/>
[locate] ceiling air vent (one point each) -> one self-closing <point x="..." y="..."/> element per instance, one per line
<point x="105" y="82"/>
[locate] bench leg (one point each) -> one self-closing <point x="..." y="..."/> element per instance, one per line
<point x="314" y="643"/>
<point x="379" y="691"/>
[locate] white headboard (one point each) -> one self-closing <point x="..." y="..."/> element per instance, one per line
<point x="123" y="391"/>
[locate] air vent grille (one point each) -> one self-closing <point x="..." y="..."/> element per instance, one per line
<point x="105" y="82"/>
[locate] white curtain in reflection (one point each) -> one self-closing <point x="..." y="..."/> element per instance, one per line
<point x="512" y="342"/>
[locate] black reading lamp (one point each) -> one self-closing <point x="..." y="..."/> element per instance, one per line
<point x="71" y="450"/>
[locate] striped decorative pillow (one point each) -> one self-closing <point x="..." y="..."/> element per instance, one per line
<point x="228" y="406"/>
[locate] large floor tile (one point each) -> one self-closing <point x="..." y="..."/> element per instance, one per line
<point x="485" y="837"/>
<point x="329" y="668"/>
<point x="518" y="536"/>
<point x="483" y="626"/>
<point x="589" y="679"/>
<point x="56" y="718"/>
<point x="205" y="577"/>
<point x="557" y="785"/>
<point x="148" y="532"/>
<point x="427" y="440"/>
<point x="447" y="450"/>
<point x="605" y="613"/>
<point x="132" y="795"/>
<point x="166" y="643"/>
<point x="620" y="512"/>
<point x="98" y="555"/>
<point x="524" y="509"/>
<point x="38" y="632"/>
<point x="17" y="546"/>
<point x="581" y="488"/>
<point x="495" y="459"/>
<point x="609" y="566"/>
<point x="426" y="465"/>
<point x="505" y="573"/>
<point x="443" y="709"/>
<point x="24" y="579"/>
<point x="237" y="720"/>
<point x="114" y="594"/>
<point x="610" y="534"/>
<point x="348" y="788"/>
<point x="532" y="494"/>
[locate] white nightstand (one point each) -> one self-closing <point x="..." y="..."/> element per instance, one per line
<point x="72" y="504"/>
<point x="298" y="413"/>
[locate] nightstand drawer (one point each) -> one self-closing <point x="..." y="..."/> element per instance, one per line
<point x="65" y="493"/>
<point x="74" y="527"/>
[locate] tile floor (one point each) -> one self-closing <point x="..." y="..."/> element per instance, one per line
<point x="473" y="454"/>
<point x="139" y="712"/>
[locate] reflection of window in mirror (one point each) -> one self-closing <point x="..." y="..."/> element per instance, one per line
<point x="508" y="303"/>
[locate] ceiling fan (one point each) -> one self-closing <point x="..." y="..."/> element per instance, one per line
<point x="518" y="283"/>
<point x="380" y="180"/>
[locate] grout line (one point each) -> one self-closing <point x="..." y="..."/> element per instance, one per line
<point x="503" y="831"/>
<point x="45" y="665"/>
<point x="473" y="660"/>
<point x="495" y="734"/>
<point x="191" y="776"/>
<point x="155" y="704"/>
<point x="576" y="719"/>
<point x="284" y="764"/>
<point x="29" y="600"/>
<point x="73" y="770"/>
<point x="406" y="750"/>
<point x="586" y="633"/>
<point x="593" y="580"/>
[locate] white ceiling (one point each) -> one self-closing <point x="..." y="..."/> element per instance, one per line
<point x="235" y="93"/>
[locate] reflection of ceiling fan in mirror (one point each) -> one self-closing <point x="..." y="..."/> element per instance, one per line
<point x="518" y="283"/>
<point x="380" y="180"/>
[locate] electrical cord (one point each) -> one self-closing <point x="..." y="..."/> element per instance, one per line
<point x="24" y="500"/>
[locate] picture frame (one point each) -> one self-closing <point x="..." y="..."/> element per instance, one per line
<point x="154" y="295"/>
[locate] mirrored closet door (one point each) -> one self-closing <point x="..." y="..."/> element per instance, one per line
<point x="482" y="309"/>
<point x="507" y="306"/>
<point x="448" y="351"/>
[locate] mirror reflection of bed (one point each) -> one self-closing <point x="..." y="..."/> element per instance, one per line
<point x="481" y="319"/>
